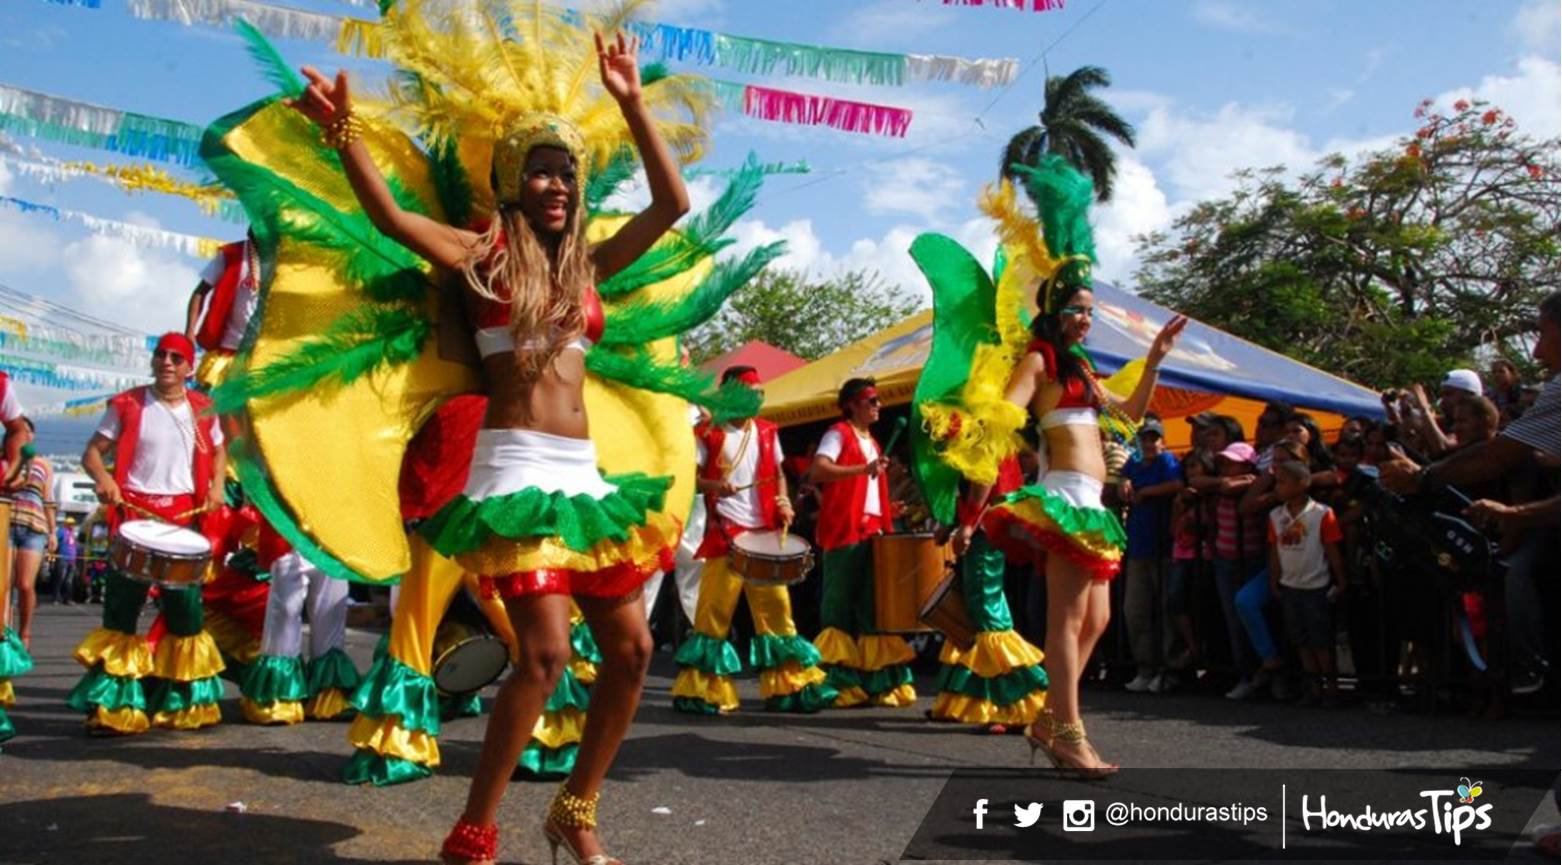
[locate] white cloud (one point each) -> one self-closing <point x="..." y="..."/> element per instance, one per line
<point x="1338" y="96"/>
<point x="634" y="196"/>
<point x="1226" y="15"/>
<point x="137" y="288"/>
<point x="25" y="243"/>
<point x="887" y="22"/>
<point x="1530" y="95"/>
<point x="1537" y="26"/>
<point x="912" y="185"/>
<point x="1138" y="206"/>
<point x="1198" y="151"/>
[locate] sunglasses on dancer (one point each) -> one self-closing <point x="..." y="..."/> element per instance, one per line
<point x="173" y="357"/>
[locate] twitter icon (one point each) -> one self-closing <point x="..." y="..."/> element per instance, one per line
<point x="1026" y="816"/>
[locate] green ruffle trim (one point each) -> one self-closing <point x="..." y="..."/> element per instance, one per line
<point x="451" y="708"/>
<point x="569" y="693"/>
<point x="1072" y="519"/>
<point x="393" y="688"/>
<point x="541" y="764"/>
<point x="768" y="651"/>
<point x="886" y="679"/>
<point x="98" y="688"/>
<point x="332" y="670"/>
<point x="580" y="521"/>
<point x="812" y="698"/>
<point x="170" y="696"/>
<point x="382" y="648"/>
<point x="695" y="706"/>
<point x="8" y="730"/>
<point x="275" y="679"/>
<point x="14" y="659"/>
<point x="709" y="655"/>
<point x="584" y="644"/>
<point x="1004" y="690"/>
<point x="367" y="767"/>
<point x="842" y="678"/>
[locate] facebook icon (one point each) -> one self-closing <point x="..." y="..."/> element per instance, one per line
<point x="980" y="811"/>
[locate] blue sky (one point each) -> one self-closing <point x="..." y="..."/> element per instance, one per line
<point x="1214" y="85"/>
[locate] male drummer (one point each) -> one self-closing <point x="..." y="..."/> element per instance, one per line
<point x="745" y="491"/>
<point x="854" y="507"/>
<point x="229" y="292"/>
<point x="168" y="462"/>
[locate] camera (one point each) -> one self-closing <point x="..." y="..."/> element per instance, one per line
<point x="1424" y="532"/>
<point x="1079" y="815"/>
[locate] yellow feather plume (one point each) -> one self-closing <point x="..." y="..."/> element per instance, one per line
<point x="469" y="70"/>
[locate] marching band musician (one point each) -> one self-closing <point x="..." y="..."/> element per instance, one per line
<point x="855" y="506"/>
<point x="745" y="491"/>
<point x="169" y="460"/>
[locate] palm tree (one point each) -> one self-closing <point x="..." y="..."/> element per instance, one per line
<point x="1072" y="123"/>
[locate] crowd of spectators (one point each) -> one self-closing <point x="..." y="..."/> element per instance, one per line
<point x="1257" y="554"/>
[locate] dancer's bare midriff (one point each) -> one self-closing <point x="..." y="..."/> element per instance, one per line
<point x="553" y="403"/>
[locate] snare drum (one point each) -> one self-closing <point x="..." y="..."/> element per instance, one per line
<point x="907" y="568"/>
<point x="768" y="559"/>
<point x="150" y="551"/>
<point x="468" y="656"/>
<point x="945" y="611"/>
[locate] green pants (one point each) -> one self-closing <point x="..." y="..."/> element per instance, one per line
<point x="123" y="598"/>
<point x="847" y="603"/>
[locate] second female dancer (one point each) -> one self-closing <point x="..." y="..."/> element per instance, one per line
<point x="537" y="519"/>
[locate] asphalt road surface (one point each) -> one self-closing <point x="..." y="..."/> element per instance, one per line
<point x="751" y="788"/>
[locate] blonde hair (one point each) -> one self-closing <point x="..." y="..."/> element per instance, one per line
<point x="511" y="265"/>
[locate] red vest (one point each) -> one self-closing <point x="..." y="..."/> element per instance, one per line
<point x="209" y="336"/>
<point x="765" y="483"/>
<point x="841" y="503"/>
<point x="128" y="406"/>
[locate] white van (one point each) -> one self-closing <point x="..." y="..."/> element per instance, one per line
<point x="76" y="493"/>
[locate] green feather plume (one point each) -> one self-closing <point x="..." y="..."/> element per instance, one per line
<point x="451" y="181"/>
<point x="697" y="240"/>
<point x="641" y="323"/>
<point x="609" y="178"/>
<point x="355" y="345"/>
<point x="1063" y="195"/>
<point x="275" y="69"/>
<point x="640" y="370"/>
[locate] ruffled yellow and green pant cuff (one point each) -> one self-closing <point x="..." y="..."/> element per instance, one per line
<point x="14" y="661"/>
<point x="111" y="693"/>
<point x="395" y="733"/>
<point x="999" y="680"/>
<point x="273" y="690"/>
<point x="330" y="679"/>
<point x="871" y="670"/>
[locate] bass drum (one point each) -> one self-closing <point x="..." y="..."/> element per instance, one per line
<point x="468" y="655"/>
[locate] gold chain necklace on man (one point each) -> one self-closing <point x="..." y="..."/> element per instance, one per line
<point x="748" y="434"/>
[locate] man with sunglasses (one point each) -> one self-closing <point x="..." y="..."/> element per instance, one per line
<point x="852" y="472"/>
<point x="168" y="460"/>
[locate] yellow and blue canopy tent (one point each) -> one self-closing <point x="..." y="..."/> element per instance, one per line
<point x="1209" y="371"/>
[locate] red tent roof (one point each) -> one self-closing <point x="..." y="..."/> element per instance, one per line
<point x="768" y="360"/>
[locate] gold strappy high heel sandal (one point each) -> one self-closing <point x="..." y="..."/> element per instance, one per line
<point x="1072" y="733"/>
<point x="578" y="812"/>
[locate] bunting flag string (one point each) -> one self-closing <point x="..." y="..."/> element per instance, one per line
<point x="1032" y="5"/>
<point x="86" y="406"/>
<point x="140" y="235"/>
<point x="57" y="343"/>
<point x="804" y="109"/>
<point x="42" y="373"/>
<point x="54" y="118"/>
<point x="213" y="200"/>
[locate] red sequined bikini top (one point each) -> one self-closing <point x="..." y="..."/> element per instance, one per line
<point x="493" y="316"/>
<point x="1075" y="393"/>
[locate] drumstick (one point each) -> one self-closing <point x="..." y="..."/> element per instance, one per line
<point x="894" y="437"/>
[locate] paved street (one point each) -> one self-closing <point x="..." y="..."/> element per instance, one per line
<point x="753" y="788"/>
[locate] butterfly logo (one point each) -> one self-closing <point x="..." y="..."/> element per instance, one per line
<point x="1469" y="790"/>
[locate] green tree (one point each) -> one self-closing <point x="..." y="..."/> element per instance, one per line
<point x="1387" y="269"/>
<point x="807" y="316"/>
<point x="1073" y="123"/>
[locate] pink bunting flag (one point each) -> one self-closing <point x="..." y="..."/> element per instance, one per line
<point x="1032" y="5"/>
<point x="807" y="109"/>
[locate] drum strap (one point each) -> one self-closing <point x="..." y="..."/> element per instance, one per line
<point x="748" y="438"/>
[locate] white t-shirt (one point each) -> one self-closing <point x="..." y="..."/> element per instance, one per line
<point x="10" y="407"/>
<point x="1299" y="543"/>
<point x="165" y="452"/>
<point x="743" y="507"/>
<point x="830" y="446"/>
<point x="245" y="298"/>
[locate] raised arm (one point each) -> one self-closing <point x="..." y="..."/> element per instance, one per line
<point x="329" y="105"/>
<point x="619" y="63"/>
<point x="1138" y="402"/>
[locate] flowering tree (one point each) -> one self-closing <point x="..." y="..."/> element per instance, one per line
<point x="1386" y="269"/>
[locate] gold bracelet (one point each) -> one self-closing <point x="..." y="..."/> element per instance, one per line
<point x="342" y="131"/>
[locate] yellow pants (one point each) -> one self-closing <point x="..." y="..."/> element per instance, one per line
<point x="788" y="665"/>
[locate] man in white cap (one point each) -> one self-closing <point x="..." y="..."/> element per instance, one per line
<point x="1458" y="384"/>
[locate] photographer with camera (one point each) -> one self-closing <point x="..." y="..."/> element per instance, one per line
<point x="1531" y="586"/>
